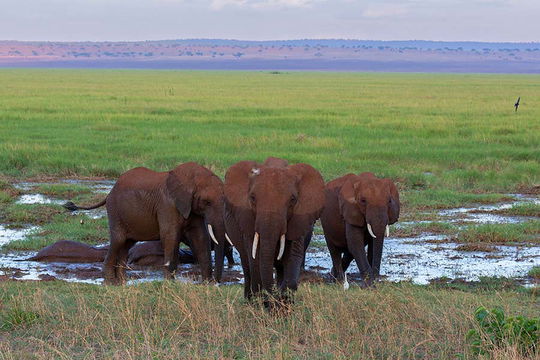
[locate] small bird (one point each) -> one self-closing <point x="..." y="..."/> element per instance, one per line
<point x="516" y="105"/>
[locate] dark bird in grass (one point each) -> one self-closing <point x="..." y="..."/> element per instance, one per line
<point x="516" y="105"/>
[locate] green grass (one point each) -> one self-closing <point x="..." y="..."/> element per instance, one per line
<point x="410" y="230"/>
<point x="524" y="209"/>
<point x="64" y="227"/>
<point x="446" y="198"/>
<point x="535" y="272"/>
<point x="169" y="320"/>
<point x="441" y="132"/>
<point x="527" y="232"/>
<point x="18" y="215"/>
<point x="62" y="190"/>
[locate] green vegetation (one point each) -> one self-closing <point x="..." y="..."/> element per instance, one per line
<point x="65" y="191"/>
<point x="18" y="215"/>
<point x="455" y="133"/>
<point x="527" y="232"/>
<point x="416" y="229"/>
<point x="7" y="192"/>
<point x="445" y="198"/>
<point x="170" y="320"/>
<point x="535" y="272"/>
<point x="524" y="209"/>
<point x="64" y="227"/>
<point x="496" y="331"/>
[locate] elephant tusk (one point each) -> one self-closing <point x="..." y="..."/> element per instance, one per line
<point x="345" y="283"/>
<point x="281" y="247"/>
<point x="370" y="231"/>
<point x="211" y="232"/>
<point x="387" y="233"/>
<point x="255" y="243"/>
<point x="228" y="239"/>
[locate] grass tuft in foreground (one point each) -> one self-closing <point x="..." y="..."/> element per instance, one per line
<point x="168" y="320"/>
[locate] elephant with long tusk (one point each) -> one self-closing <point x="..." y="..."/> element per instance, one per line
<point x="357" y="214"/>
<point x="270" y="210"/>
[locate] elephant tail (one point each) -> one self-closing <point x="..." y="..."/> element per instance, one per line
<point x="72" y="207"/>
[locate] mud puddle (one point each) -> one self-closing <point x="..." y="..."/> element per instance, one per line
<point x="418" y="259"/>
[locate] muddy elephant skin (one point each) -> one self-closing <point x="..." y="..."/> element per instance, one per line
<point x="150" y="253"/>
<point x="269" y="212"/>
<point x="71" y="252"/>
<point x="358" y="210"/>
<point x="184" y="204"/>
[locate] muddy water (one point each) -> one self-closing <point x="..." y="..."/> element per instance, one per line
<point x="417" y="259"/>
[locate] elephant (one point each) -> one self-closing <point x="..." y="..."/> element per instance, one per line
<point x="269" y="211"/>
<point x="358" y="211"/>
<point x="70" y="252"/>
<point x="184" y="204"/>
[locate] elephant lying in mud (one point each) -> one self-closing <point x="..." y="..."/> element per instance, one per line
<point x="269" y="212"/>
<point x="146" y="253"/>
<point x="358" y="210"/>
<point x="144" y="205"/>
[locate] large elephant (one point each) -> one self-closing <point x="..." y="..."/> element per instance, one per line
<point x="357" y="213"/>
<point x="269" y="211"/>
<point x="144" y="205"/>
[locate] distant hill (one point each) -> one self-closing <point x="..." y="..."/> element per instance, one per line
<point x="308" y="54"/>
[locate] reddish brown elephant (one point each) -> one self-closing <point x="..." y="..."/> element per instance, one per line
<point x="357" y="213"/>
<point x="269" y="211"/>
<point x="70" y="252"/>
<point x="145" y="205"/>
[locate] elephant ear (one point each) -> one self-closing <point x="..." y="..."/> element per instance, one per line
<point x="237" y="180"/>
<point x="310" y="201"/>
<point x="393" y="208"/>
<point x="348" y="203"/>
<point x="180" y="185"/>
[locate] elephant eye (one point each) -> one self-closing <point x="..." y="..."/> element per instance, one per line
<point x="390" y="200"/>
<point x="293" y="200"/>
<point x="207" y="202"/>
<point x="363" y="200"/>
<point x="252" y="198"/>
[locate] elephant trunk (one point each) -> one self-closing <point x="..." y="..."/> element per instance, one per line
<point x="377" y="222"/>
<point x="216" y="231"/>
<point x="270" y="231"/>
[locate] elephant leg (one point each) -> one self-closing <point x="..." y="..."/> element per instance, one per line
<point x="122" y="260"/>
<point x="110" y="263"/>
<point x="279" y="274"/>
<point x="293" y="263"/>
<point x="200" y="244"/>
<point x="355" y="245"/>
<point x="369" y="248"/>
<point x="346" y="261"/>
<point x="229" y="255"/>
<point x="337" y="267"/>
<point x="307" y="241"/>
<point x="170" y="242"/>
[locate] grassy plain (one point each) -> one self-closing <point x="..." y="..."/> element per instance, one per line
<point x="165" y="320"/>
<point x="435" y="132"/>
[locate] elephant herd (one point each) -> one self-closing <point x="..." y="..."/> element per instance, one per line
<point x="265" y="210"/>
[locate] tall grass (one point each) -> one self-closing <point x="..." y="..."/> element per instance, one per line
<point x="427" y="131"/>
<point x="165" y="320"/>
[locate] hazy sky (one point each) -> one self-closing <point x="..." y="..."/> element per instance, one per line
<point x="97" y="20"/>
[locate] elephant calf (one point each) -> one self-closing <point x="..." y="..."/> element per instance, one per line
<point x="185" y="204"/>
<point x="358" y="210"/>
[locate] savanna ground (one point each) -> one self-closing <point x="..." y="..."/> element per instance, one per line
<point x="448" y="140"/>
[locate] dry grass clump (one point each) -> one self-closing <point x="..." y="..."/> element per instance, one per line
<point x="166" y="320"/>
